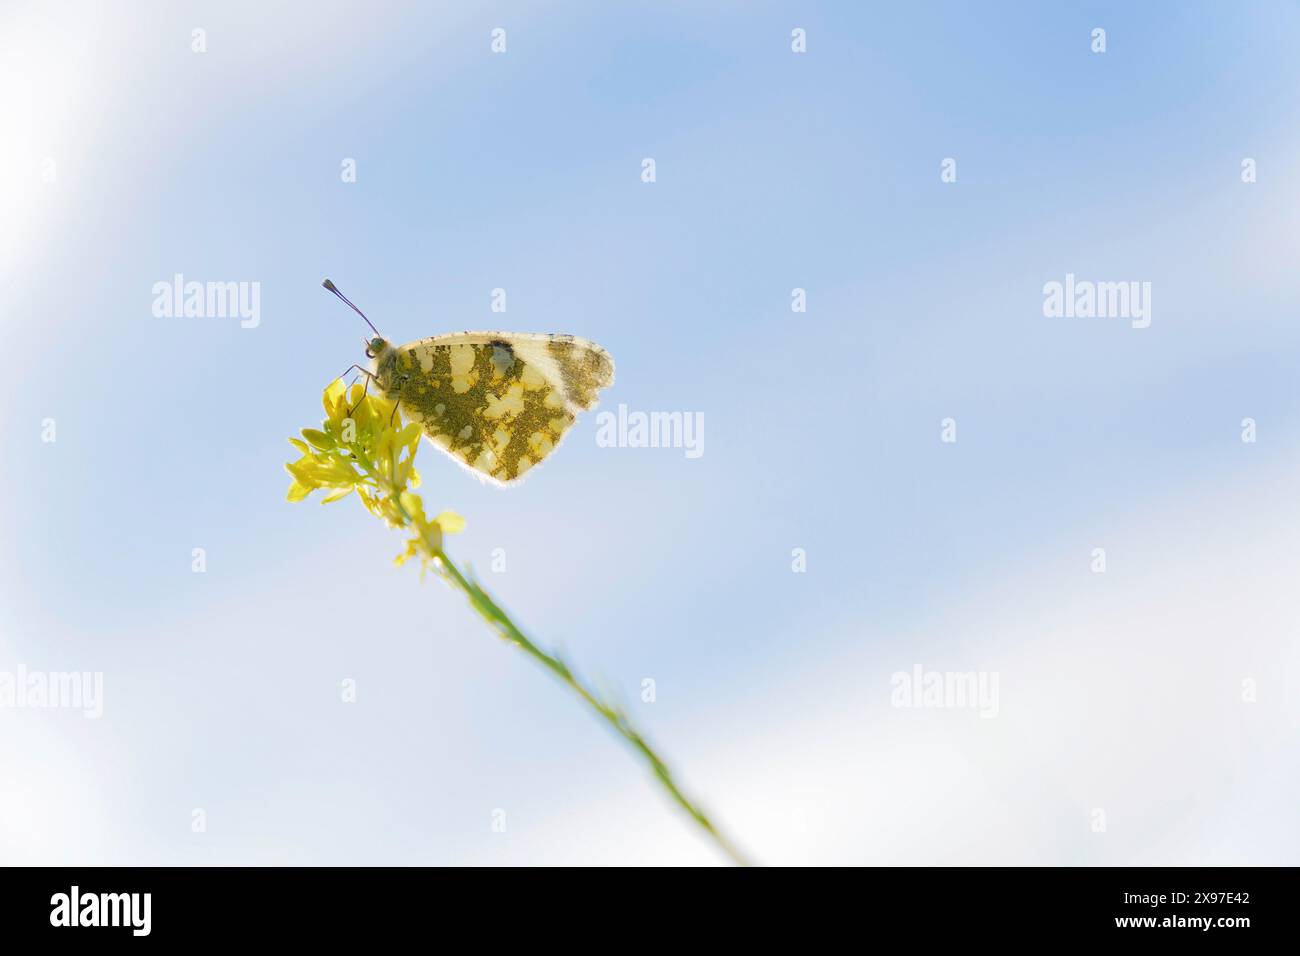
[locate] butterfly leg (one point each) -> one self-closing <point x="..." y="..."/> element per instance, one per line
<point x="364" y="372"/>
<point x="364" y="392"/>
<point x="354" y="365"/>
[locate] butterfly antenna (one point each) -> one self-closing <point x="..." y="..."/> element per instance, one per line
<point x="346" y="301"/>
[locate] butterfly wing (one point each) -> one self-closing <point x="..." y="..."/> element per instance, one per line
<point x="496" y="402"/>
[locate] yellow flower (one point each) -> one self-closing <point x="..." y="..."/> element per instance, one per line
<point x="362" y="446"/>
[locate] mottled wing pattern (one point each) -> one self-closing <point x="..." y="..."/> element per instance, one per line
<point x="497" y="402"/>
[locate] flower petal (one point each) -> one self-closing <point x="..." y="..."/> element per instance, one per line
<point x="333" y="394"/>
<point x="318" y="439"/>
<point x="301" y="474"/>
<point x="298" y="491"/>
<point x="410" y="435"/>
<point x="450" y="522"/>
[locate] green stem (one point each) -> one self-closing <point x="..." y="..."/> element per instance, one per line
<point x="500" y="621"/>
<point x="493" y="614"/>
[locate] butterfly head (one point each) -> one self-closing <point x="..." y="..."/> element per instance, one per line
<point x="376" y="347"/>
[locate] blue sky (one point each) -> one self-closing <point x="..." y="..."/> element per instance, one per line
<point x="774" y="170"/>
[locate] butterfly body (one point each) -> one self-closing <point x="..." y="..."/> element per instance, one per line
<point x="497" y="402"/>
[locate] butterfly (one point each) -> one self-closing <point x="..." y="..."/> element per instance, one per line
<point x="498" y="403"/>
